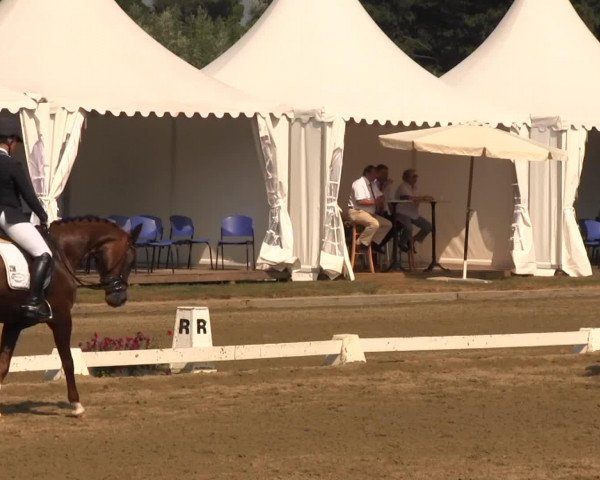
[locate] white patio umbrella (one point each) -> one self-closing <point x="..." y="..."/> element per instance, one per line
<point x="473" y="141"/>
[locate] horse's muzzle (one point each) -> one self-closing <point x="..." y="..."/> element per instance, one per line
<point x="116" y="299"/>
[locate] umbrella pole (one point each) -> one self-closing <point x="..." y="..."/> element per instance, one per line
<point x="468" y="219"/>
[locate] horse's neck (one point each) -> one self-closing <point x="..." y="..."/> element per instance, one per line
<point x="74" y="245"/>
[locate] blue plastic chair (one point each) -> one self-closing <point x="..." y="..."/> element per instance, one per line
<point x="590" y="231"/>
<point x="122" y="221"/>
<point x="150" y="233"/>
<point x="182" y="233"/>
<point x="237" y="230"/>
<point x="158" y="244"/>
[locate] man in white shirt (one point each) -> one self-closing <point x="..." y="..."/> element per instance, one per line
<point x="365" y="200"/>
<point x="408" y="213"/>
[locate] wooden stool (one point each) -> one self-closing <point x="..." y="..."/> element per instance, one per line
<point x="355" y="251"/>
<point x="411" y="255"/>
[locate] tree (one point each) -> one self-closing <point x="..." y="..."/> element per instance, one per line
<point x="196" y="30"/>
<point x="438" y="34"/>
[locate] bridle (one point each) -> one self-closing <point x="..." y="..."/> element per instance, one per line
<point x="109" y="283"/>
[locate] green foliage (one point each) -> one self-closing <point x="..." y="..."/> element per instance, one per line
<point x="438" y="34"/>
<point x="196" y="30"/>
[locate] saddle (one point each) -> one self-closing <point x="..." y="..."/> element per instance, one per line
<point x="16" y="263"/>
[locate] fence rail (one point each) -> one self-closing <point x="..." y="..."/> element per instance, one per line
<point x="341" y="346"/>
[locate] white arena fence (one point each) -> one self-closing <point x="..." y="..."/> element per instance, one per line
<point x="344" y="348"/>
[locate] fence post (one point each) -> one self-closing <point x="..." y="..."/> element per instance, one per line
<point x="350" y="352"/>
<point x="79" y="365"/>
<point x="593" y="341"/>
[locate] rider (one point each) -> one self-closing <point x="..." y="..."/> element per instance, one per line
<point x="15" y="183"/>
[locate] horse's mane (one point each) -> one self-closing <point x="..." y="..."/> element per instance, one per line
<point x="85" y="219"/>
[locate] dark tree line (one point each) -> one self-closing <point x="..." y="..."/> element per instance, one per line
<point x="437" y="34"/>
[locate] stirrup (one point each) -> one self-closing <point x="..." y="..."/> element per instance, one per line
<point x="38" y="312"/>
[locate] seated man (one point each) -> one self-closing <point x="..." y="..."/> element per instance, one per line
<point x="384" y="184"/>
<point x="408" y="213"/>
<point x="364" y="201"/>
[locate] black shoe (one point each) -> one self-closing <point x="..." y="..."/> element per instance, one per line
<point x="37" y="311"/>
<point x="360" y="248"/>
<point x="377" y="248"/>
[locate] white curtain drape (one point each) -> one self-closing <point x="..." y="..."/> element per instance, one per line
<point x="523" y="249"/>
<point x="574" y="258"/>
<point x="545" y="198"/>
<point x="555" y="189"/>
<point x="307" y="178"/>
<point x="51" y="139"/>
<point x="272" y="135"/>
<point x="334" y="254"/>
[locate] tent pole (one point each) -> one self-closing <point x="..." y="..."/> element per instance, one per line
<point x="468" y="219"/>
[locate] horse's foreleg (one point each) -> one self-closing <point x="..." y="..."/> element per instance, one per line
<point x="10" y="335"/>
<point x="61" y="331"/>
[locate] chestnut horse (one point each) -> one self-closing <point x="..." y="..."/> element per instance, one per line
<point x="71" y="241"/>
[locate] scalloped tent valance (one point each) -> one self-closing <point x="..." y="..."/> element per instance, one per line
<point x="540" y="61"/>
<point x="90" y="55"/>
<point x="330" y="55"/>
<point x="13" y="101"/>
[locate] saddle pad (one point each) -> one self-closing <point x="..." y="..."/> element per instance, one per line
<point x="17" y="268"/>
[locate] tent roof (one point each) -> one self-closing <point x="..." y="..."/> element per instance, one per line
<point x="541" y="60"/>
<point x="14" y="101"/>
<point x="330" y="55"/>
<point x="91" y="55"/>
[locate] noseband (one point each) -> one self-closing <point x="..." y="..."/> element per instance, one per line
<point x="111" y="284"/>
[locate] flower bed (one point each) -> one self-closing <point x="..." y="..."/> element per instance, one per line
<point x="107" y="344"/>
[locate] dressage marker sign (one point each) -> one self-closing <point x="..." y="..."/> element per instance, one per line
<point x="192" y="330"/>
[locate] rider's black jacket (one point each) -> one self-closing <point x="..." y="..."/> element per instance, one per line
<point x="15" y="183"/>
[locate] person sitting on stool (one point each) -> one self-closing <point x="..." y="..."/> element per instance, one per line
<point x="365" y="200"/>
<point x="408" y="213"/>
<point x="384" y="184"/>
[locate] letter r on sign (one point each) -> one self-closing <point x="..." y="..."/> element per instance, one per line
<point x="184" y="326"/>
<point x="200" y="326"/>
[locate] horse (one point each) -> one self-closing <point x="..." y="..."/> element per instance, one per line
<point x="71" y="240"/>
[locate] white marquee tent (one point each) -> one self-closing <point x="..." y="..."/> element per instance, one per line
<point x="542" y="63"/>
<point x="328" y="57"/>
<point x="76" y="57"/>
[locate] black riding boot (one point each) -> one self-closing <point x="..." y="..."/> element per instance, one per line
<point x="35" y="306"/>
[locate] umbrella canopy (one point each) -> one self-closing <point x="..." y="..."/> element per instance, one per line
<point x="471" y="141"/>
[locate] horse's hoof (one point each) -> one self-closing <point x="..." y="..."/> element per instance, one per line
<point x="78" y="409"/>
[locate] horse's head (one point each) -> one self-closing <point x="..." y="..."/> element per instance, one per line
<point x="115" y="260"/>
<point x="112" y="248"/>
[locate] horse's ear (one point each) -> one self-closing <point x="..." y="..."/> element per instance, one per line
<point x="135" y="233"/>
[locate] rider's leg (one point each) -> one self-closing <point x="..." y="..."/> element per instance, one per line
<point x="35" y="305"/>
<point x="30" y="239"/>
